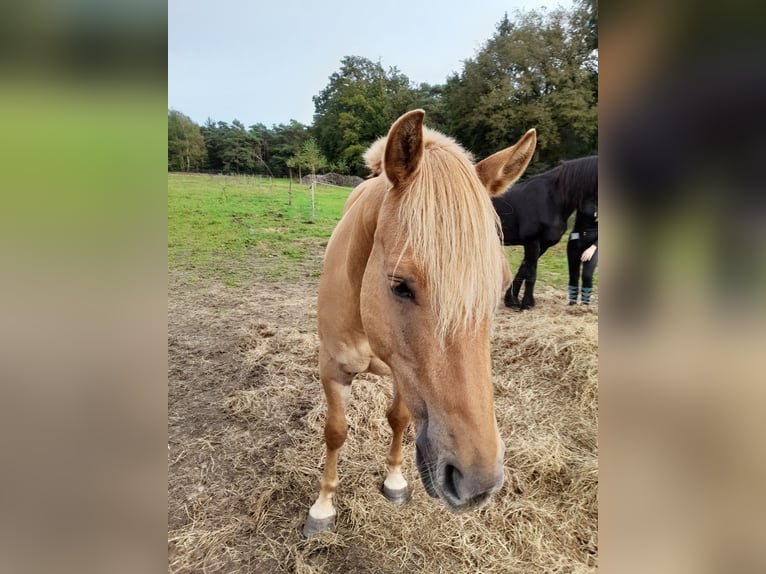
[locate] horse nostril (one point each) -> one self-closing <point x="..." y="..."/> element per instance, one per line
<point x="452" y="479"/>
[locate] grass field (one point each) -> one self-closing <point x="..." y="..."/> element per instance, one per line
<point x="231" y="226"/>
<point x="221" y="226"/>
<point x="246" y="411"/>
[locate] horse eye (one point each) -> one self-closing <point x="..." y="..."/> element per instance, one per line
<point x="402" y="290"/>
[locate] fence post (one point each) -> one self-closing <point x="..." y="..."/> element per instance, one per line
<point x="313" y="186"/>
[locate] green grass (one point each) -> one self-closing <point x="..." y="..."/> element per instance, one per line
<point x="233" y="228"/>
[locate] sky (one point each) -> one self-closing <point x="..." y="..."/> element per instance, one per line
<point x="262" y="61"/>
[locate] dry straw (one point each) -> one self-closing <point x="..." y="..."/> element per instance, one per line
<point x="245" y="450"/>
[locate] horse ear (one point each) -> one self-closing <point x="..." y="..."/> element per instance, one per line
<point x="404" y="148"/>
<point x="501" y="169"/>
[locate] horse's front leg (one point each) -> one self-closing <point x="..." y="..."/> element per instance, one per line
<point x="512" y="294"/>
<point x="395" y="486"/>
<point x="531" y="256"/>
<point x="337" y="389"/>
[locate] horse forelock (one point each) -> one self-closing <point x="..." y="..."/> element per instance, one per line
<point x="448" y="222"/>
<point x="373" y="157"/>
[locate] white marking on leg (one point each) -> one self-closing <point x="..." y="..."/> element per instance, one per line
<point x="322" y="508"/>
<point x="395" y="479"/>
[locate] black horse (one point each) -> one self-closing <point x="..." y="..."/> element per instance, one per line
<point x="534" y="213"/>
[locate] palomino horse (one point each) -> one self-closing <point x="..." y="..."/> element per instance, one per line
<point x="412" y="275"/>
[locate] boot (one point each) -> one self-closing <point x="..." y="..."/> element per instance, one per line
<point x="586" y="291"/>
<point x="573" y="291"/>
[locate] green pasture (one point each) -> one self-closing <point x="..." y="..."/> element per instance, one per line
<point x="238" y="228"/>
<point x="234" y="228"/>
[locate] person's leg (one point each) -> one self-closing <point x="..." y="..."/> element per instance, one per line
<point x="573" y="259"/>
<point x="588" y="268"/>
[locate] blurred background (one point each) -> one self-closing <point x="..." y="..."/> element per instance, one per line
<point x="683" y="277"/>
<point x="83" y="304"/>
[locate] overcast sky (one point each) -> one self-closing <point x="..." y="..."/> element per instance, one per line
<point x="262" y="61"/>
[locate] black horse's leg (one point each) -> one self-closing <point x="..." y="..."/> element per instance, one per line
<point x="512" y="294"/>
<point x="531" y="255"/>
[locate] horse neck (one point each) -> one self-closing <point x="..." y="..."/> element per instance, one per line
<point x="578" y="186"/>
<point x="568" y="207"/>
<point x="358" y="236"/>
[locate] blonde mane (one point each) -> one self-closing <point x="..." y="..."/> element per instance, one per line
<point x="452" y="230"/>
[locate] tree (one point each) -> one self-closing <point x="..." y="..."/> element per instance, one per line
<point x="212" y="133"/>
<point x="357" y="107"/>
<point x="257" y="149"/>
<point x="534" y="72"/>
<point x="431" y="99"/>
<point x="286" y="141"/>
<point x="231" y="148"/>
<point x="259" y="140"/>
<point x="186" y="146"/>
<point x="238" y="153"/>
<point x="293" y="163"/>
<point x="586" y="19"/>
<point x="311" y="156"/>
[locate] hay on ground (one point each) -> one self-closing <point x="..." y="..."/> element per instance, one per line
<point x="246" y="415"/>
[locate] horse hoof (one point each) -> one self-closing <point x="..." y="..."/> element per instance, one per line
<point x="397" y="496"/>
<point x="510" y="299"/>
<point x="315" y="526"/>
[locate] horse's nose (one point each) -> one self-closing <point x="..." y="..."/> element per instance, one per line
<point x="466" y="488"/>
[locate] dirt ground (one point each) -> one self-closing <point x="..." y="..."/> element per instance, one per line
<point x="245" y="450"/>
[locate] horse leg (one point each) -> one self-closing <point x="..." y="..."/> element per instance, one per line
<point x="512" y="294"/>
<point x="531" y="255"/>
<point x="337" y="389"/>
<point x="395" y="486"/>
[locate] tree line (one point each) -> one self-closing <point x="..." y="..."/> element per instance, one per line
<point x="538" y="70"/>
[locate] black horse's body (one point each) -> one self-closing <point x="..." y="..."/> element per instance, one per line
<point x="534" y="213"/>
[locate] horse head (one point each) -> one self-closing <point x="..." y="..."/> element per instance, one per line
<point x="432" y="282"/>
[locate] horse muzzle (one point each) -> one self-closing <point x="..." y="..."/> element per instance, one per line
<point x="460" y="487"/>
